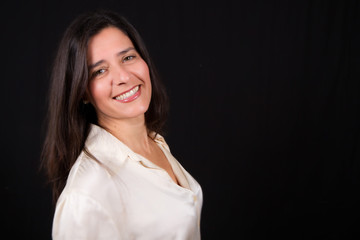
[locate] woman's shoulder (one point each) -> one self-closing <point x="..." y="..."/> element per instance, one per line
<point x="85" y="205"/>
<point x="87" y="177"/>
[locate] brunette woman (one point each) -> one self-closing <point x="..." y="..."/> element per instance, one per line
<point x="112" y="173"/>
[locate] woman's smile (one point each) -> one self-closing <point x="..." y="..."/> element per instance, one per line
<point x="129" y="95"/>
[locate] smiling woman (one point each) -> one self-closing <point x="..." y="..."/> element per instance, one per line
<point x="112" y="173"/>
<point x="118" y="75"/>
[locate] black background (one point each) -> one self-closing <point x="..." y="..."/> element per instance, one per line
<point x="264" y="114"/>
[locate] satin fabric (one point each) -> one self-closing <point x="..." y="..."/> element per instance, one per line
<point x="114" y="193"/>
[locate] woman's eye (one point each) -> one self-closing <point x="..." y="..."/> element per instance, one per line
<point x="128" y="58"/>
<point x="98" y="72"/>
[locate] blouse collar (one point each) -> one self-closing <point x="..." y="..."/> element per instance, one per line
<point x="110" y="151"/>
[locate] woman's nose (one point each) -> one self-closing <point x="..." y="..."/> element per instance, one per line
<point x="121" y="75"/>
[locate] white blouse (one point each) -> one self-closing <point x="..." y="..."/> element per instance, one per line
<point x="122" y="195"/>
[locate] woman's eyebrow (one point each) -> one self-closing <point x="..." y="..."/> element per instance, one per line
<point x="95" y="64"/>
<point x="125" y="51"/>
<point x="118" y="54"/>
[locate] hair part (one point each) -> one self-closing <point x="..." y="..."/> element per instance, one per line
<point x="68" y="118"/>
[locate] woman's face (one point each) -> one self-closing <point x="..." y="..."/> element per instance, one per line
<point x="119" y="85"/>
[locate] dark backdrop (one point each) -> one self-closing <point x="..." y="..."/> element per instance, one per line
<point x="264" y="110"/>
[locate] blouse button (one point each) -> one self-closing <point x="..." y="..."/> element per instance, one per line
<point x="195" y="198"/>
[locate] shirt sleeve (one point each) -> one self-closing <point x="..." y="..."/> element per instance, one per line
<point x="78" y="216"/>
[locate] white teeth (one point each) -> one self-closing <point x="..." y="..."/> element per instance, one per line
<point x="128" y="94"/>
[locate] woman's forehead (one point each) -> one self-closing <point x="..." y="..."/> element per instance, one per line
<point x="109" y="41"/>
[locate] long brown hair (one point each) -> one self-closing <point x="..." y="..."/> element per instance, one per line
<point x="69" y="119"/>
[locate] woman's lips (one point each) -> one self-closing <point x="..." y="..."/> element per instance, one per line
<point x="130" y="95"/>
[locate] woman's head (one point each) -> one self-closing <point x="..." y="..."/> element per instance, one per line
<point x="73" y="62"/>
<point x="119" y="81"/>
<point x="68" y="117"/>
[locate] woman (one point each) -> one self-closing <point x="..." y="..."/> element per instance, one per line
<point x="112" y="173"/>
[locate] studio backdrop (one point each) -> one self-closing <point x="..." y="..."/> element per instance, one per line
<point x="264" y="110"/>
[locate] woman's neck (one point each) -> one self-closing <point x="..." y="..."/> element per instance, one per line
<point x="132" y="132"/>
